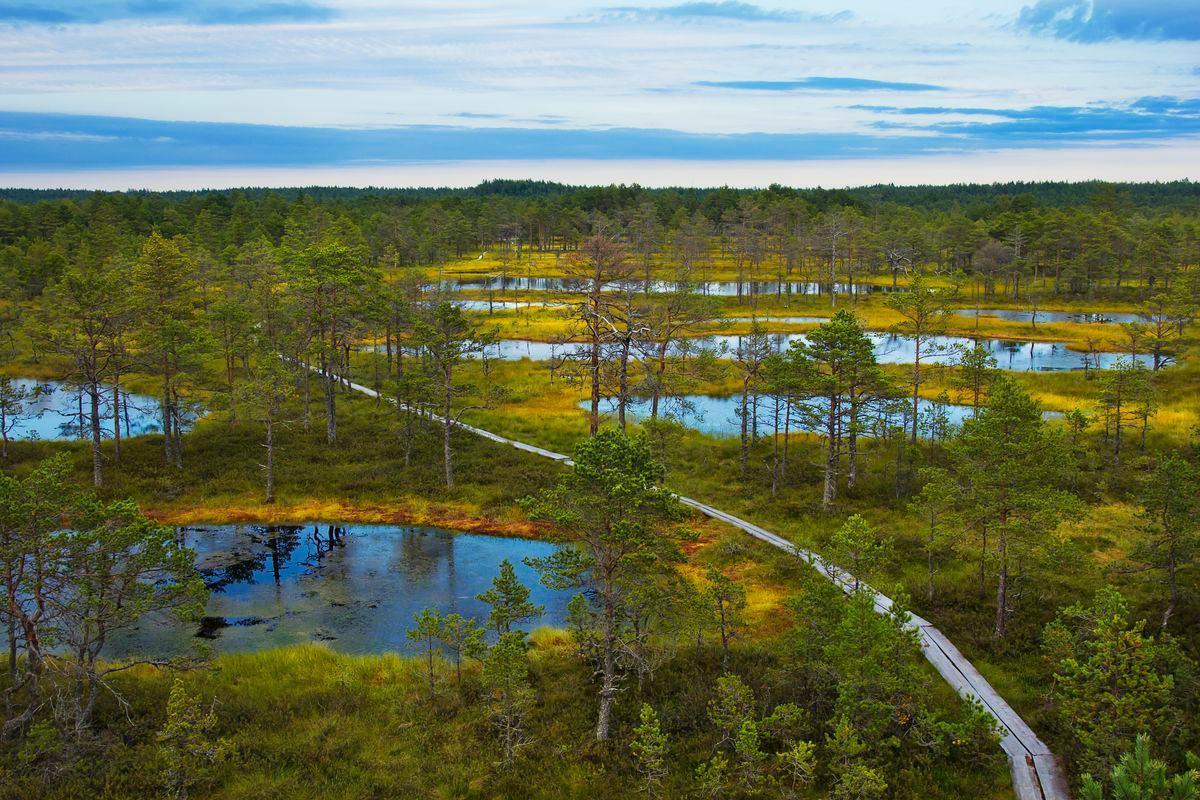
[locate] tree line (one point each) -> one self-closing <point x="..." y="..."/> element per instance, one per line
<point x="1105" y="238"/>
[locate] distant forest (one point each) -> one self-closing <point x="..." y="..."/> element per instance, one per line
<point x="1084" y="236"/>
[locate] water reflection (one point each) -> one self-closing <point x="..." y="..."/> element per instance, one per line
<point x="57" y="410"/>
<point x="518" y="283"/>
<point x="1021" y="315"/>
<point x="354" y="586"/>
<point x="1015" y="356"/>
<point x="721" y="416"/>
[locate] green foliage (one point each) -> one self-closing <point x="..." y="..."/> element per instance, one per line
<point x="786" y="724"/>
<point x="1137" y="776"/>
<point x="1171" y="509"/>
<point x="649" y="748"/>
<point x="509" y="601"/>
<point x="612" y="501"/>
<point x="798" y="765"/>
<point x="936" y="504"/>
<point x="858" y="549"/>
<point x="187" y="746"/>
<point x="510" y="696"/>
<point x="731" y="707"/>
<point x="924" y="311"/>
<point x="426" y="630"/>
<point x="463" y="637"/>
<point x="100" y="567"/>
<point x="750" y="757"/>
<point x="712" y="776"/>
<point x="834" y="365"/>
<point x="727" y="600"/>
<point x="853" y="779"/>
<point x="14" y="400"/>
<point x="1127" y="400"/>
<point x="976" y="371"/>
<point x="1011" y="469"/>
<point x="1110" y="679"/>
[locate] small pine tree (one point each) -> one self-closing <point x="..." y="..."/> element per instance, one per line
<point x="852" y="778"/>
<point x="1111" y="681"/>
<point x="748" y="749"/>
<point x="426" y="631"/>
<point x="1139" y="776"/>
<point x="727" y="601"/>
<point x="798" y="764"/>
<point x="186" y="745"/>
<point x="732" y="706"/>
<point x="510" y="697"/>
<point x="509" y="599"/>
<point x="463" y="637"/>
<point x="712" y="775"/>
<point x="857" y="548"/>
<point x="649" y="747"/>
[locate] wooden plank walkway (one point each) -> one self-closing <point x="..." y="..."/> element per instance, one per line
<point x="1036" y="772"/>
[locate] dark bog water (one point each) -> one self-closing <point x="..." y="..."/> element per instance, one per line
<point x="353" y="586"/>
<point x="53" y="412"/>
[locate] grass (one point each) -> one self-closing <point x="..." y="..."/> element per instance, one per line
<point x="364" y="479"/>
<point x="307" y="722"/>
<point x="544" y="323"/>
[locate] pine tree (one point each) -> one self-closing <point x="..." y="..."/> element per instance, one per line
<point x="750" y="756"/>
<point x="463" y="637"/>
<point x="613" y="500"/>
<point x="186" y="744"/>
<point x="510" y="696"/>
<point x="1137" y="776"/>
<point x="732" y="705"/>
<point x="857" y="549"/>
<point x="798" y="764"/>
<point x="1171" y="503"/>
<point x="426" y="631"/>
<point x="853" y="778"/>
<point x="727" y="600"/>
<point x="1010" y="466"/>
<point x="509" y="599"/>
<point x="1110" y="678"/>
<point x="649" y="748"/>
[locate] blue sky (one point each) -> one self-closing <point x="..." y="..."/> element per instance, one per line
<point x="115" y="93"/>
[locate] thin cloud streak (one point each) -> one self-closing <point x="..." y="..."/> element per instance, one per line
<point x="823" y="84"/>
<point x="196" y="12"/>
<point x="727" y="10"/>
<point x="35" y="140"/>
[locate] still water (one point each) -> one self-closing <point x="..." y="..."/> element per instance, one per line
<point x="718" y="288"/>
<point x="1013" y="356"/>
<point x="720" y="416"/>
<point x="353" y="586"/>
<point x="1019" y="315"/>
<point x="53" y="412"/>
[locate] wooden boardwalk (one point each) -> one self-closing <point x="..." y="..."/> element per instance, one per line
<point x="1036" y="772"/>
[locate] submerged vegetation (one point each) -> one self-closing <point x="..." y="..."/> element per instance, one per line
<point x="1058" y="551"/>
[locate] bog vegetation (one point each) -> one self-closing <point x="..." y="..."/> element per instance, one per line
<point x="1059" y="551"/>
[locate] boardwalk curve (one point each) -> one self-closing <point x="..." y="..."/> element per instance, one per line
<point x="1036" y="772"/>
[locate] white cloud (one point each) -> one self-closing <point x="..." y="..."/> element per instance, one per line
<point x="374" y="63"/>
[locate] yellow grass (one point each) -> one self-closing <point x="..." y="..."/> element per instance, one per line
<point x="411" y="510"/>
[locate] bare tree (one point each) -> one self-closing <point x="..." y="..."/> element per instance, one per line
<point x="600" y="265"/>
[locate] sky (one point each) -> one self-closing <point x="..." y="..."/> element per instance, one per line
<point x="211" y="93"/>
